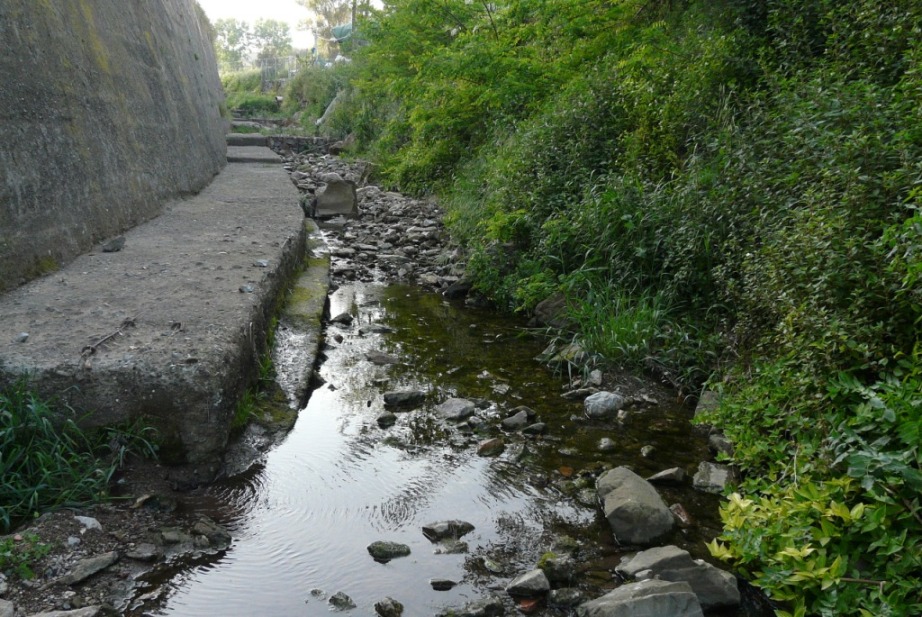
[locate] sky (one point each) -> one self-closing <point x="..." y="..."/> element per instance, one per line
<point x="250" y="10"/>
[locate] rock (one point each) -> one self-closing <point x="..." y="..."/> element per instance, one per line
<point x="571" y="354"/>
<point x="380" y="358"/>
<point x="375" y="328"/>
<point x="172" y="535"/>
<point x="114" y="245"/>
<point x="515" y="422"/>
<point x="673" y="475"/>
<point x="650" y="598"/>
<point x="341" y="602"/>
<point x="389" y="607"/>
<point x="343" y="318"/>
<point x="565" y="597"/>
<point x="552" y="312"/>
<point x="451" y="547"/>
<point x="88" y="523"/>
<point x="603" y="405"/>
<point x="532" y="584"/>
<point x="88" y="611"/>
<point x="491" y="447"/>
<point x="22" y="337"/>
<point x="578" y="394"/>
<point x="635" y="511"/>
<point x="447" y="529"/>
<point x="647" y="451"/>
<point x="719" y="444"/>
<point x="7" y="608"/>
<point x="458" y="290"/>
<point x="441" y="584"/>
<point x="607" y="444"/>
<point x="217" y="536"/>
<point x="488" y="607"/>
<point x="712" y="478"/>
<point x="594" y="379"/>
<point x="336" y="198"/>
<point x="455" y="409"/>
<point x="145" y="552"/>
<point x="85" y="568"/>
<point x="538" y="428"/>
<point x="558" y="568"/>
<point x="386" y="419"/>
<point x="247" y="289"/>
<point x="714" y="587"/>
<point x="404" y="398"/>
<point x="709" y="401"/>
<point x="681" y="515"/>
<point x="382" y="551"/>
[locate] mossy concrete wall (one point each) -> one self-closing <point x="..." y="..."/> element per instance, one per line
<point x="108" y="109"/>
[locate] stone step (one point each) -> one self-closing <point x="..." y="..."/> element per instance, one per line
<point x="251" y="154"/>
<point x="246" y="139"/>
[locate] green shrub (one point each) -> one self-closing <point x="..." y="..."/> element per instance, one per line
<point x="46" y="461"/>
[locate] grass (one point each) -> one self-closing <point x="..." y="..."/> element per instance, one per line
<point x="18" y="554"/>
<point x="48" y="462"/>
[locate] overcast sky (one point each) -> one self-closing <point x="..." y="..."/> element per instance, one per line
<point x="250" y="10"/>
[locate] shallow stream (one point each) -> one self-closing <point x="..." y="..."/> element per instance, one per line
<point x="302" y="519"/>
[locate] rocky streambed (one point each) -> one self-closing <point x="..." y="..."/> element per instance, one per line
<point x="448" y="462"/>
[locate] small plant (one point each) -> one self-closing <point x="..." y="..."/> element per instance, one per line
<point x="19" y="553"/>
<point x="47" y="461"/>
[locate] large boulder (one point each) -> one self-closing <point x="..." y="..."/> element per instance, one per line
<point x="336" y="197"/>
<point x="714" y="587"/>
<point x="603" y="404"/>
<point x="650" y="598"/>
<point x="635" y="511"/>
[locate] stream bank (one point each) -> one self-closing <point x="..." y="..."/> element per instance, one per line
<point x="356" y="470"/>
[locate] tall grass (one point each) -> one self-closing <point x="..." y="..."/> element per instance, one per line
<point x="47" y="461"/>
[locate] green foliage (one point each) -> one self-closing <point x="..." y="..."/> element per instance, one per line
<point x="726" y="188"/>
<point x="47" y="462"/>
<point x="17" y="556"/>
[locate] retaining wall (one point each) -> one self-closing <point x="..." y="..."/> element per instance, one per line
<point x="108" y="109"/>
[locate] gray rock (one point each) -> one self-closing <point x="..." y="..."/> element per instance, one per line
<point x="7" y="608"/>
<point x="455" y="409"/>
<point x="532" y="584"/>
<point x="336" y="198"/>
<point x="144" y="552"/>
<point x="594" y="379"/>
<point x="386" y="419"/>
<point x="85" y="568"/>
<point x="404" y="398"/>
<point x="488" y="607"/>
<point x="380" y="358"/>
<point x="88" y="523"/>
<point x="673" y="475"/>
<point x="22" y="337"/>
<point x="714" y="587"/>
<point x="647" y="451"/>
<point x="515" y="422"/>
<point x="343" y="318"/>
<point x="383" y="551"/>
<point x="709" y="401"/>
<point x="442" y="584"/>
<point x="559" y="568"/>
<point x="603" y="405"/>
<point x="538" y="428"/>
<point x="719" y="444"/>
<point x="451" y="547"/>
<point x="389" y="607"/>
<point x="634" y="509"/>
<point x="217" y="536"/>
<point x="712" y="478"/>
<point x="88" y="611"/>
<point x="579" y="394"/>
<point x="341" y="602"/>
<point x="565" y="597"/>
<point x="607" y="444"/>
<point x="447" y="529"/>
<point x="114" y="245"/>
<point x="491" y="447"/>
<point x="645" y="599"/>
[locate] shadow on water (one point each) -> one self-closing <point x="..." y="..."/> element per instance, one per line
<point x="302" y="519"/>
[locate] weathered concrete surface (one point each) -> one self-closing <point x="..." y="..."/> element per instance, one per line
<point x="169" y="327"/>
<point x="108" y="109"/>
<point x="246" y="139"/>
<point x="251" y="154"/>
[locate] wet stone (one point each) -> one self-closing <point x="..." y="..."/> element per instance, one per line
<point x="603" y="405"/>
<point x="442" y="584"/>
<point x="674" y="475"/>
<point x="529" y="585"/>
<point x="442" y="530"/>
<point x="451" y="547"/>
<point x="388" y="607"/>
<point x="86" y="568"/>
<point x="383" y="551"/>
<point x="565" y="597"/>
<point x="145" y="552"/>
<point x="386" y="419"/>
<point x="488" y="607"/>
<point x="404" y="398"/>
<point x="455" y="409"/>
<point x="491" y="447"/>
<point x="341" y="602"/>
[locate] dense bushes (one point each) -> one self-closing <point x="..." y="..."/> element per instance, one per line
<point x="727" y="190"/>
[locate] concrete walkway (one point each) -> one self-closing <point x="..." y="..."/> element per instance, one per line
<point x="169" y="327"/>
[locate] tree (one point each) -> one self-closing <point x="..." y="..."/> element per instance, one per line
<point x="271" y="38"/>
<point x="330" y="13"/>
<point x="232" y="43"/>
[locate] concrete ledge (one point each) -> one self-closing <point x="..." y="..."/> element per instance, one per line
<point x="246" y="139"/>
<point x="252" y="154"/>
<point x="170" y="327"/>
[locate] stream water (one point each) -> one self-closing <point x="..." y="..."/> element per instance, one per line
<point x="302" y="519"/>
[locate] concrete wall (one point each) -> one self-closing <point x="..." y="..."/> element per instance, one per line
<point x="108" y="108"/>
